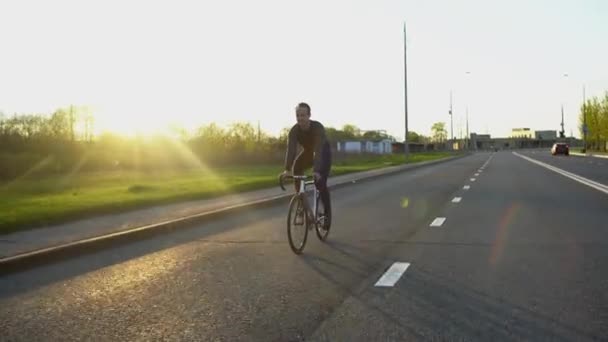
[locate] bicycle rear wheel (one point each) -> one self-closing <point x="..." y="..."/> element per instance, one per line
<point x="297" y="225"/>
<point x="323" y="218"/>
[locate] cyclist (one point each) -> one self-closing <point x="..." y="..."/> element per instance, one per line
<point x="316" y="153"/>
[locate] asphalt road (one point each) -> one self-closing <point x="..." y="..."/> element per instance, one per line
<point x="522" y="256"/>
<point x="589" y="167"/>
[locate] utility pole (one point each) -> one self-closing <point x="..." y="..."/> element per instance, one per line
<point x="584" y="123"/>
<point x="467" y="136"/>
<point x="451" y="119"/>
<point x="72" y="122"/>
<point x="259" y="131"/>
<point x="459" y="130"/>
<point x="405" y="141"/>
<point x="467" y="75"/>
<point x="562" y="133"/>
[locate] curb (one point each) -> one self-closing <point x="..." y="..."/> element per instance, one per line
<point x="28" y="260"/>
<point x="588" y="155"/>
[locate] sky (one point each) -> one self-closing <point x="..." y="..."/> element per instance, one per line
<point x="144" y="64"/>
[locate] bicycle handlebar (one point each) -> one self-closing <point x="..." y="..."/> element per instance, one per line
<point x="282" y="177"/>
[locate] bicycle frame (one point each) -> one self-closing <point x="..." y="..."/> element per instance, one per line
<point x="312" y="219"/>
<point x="302" y="192"/>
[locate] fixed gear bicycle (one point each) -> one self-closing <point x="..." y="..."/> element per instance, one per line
<point x="301" y="216"/>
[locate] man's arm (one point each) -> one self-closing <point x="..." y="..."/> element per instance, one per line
<point x="292" y="145"/>
<point x="319" y="141"/>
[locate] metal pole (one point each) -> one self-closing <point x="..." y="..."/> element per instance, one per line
<point x="72" y="122"/>
<point x="467" y="136"/>
<point x="584" y="123"/>
<point x="405" y="141"/>
<point x="563" y="132"/>
<point x="451" y="119"/>
<point x="467" y="73"/>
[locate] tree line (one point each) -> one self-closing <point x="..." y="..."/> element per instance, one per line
<point x="64" y="142"/>
<point x="596" y="111"/>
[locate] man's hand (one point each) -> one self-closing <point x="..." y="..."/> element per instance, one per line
<point x="286" y="173"/>
<point x="316" y="176"/>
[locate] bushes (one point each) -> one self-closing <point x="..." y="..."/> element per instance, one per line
<point x="596" y="110"/>
<point x="35" y="144"/>
<point x="27" y="148"/>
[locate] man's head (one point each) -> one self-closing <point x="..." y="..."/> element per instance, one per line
<point x="303" y="115"/>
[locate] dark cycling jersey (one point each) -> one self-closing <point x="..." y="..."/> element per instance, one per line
<point x="312" y="140"/>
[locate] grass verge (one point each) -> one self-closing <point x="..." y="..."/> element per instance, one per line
<point x="33" y="202"/>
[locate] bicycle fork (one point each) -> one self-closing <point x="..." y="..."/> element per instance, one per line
<point x="312" y="219"/>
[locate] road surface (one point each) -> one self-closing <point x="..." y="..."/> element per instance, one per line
<point x="521" y="254"/>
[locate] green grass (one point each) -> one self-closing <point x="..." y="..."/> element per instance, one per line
<point x="30" y="202"/>
<point x="580" y="150"/>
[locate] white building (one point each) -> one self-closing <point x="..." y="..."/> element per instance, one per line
<point x="546" y="135"/>
<point x="522" y="133"/>
<point x="367" y="146"/>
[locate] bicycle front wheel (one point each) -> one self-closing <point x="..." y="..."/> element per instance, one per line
<point x="297" y="225"/>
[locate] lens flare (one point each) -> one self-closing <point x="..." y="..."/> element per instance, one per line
<point x="502" y="233"/>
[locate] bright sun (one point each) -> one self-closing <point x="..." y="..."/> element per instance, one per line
<point x="130" y="125"/>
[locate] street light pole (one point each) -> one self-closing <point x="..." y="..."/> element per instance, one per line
<point x="451" y="120"/>
<point x="467" y="74"/>
<point x="467" y="136"/>
<point x="584" y="123"/>
<point x="563" y="131"/>
<point x="405" y="141"/>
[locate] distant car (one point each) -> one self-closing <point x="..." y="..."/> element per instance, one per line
<point x="560" y="148"/>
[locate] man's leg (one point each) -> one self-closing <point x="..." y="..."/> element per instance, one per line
<point x="303" y="161"/>
<point x="322" y="186"/>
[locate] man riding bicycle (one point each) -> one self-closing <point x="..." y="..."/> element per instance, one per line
<point x="316" y="153"/>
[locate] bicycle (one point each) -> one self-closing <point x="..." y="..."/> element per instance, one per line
<point x="302" y="213"/>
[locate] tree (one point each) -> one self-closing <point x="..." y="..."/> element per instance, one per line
<point x="179" y="132"/>
<point x="351" y="131"/>
<point x="242" y="135"/>
<point x="211" y="137"/>
<point x="413" y="137"/>
<point x="376" y="135"/>
<point x="336" y="134"/>
<point x="596" y="111"/>
<point x="284" y="134"/>
<point x="348" y="132"/>
<point x="59" y="125"/>
<point x="2" y="123"/>
<point x="602" y="122"/>
<point x="439" y="132"/>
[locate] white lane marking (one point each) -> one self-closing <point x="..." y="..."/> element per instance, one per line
<point x="438" y="222"/>
<point x="472" y="179"/>
<point x="588" y="182"/>
<point x="466" y="187"/>
<point x="457" y="200"/>
<point x="477" y="175"/>
<point x="393" y="274"/>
